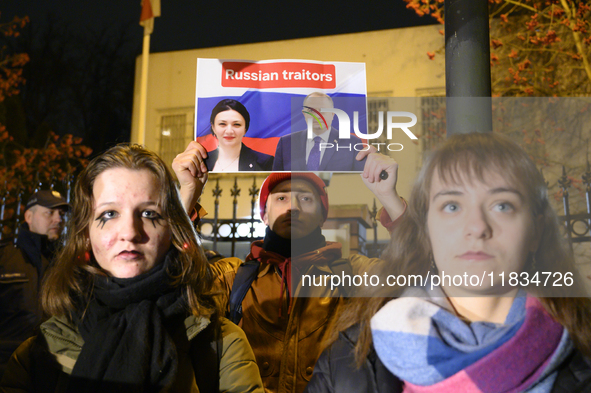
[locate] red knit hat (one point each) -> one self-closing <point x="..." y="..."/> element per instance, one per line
<point x="275" y="178"/>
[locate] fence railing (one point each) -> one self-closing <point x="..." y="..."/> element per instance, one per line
<point x="233" y="235"/>
<point x="233" y="229"/>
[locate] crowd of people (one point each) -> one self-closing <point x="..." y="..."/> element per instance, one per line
<point x="131" y="302"/>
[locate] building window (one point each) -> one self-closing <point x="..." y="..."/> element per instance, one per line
<point x="375" y="106"/>
<point x="432" y="119"/>
<point x="172" y="136"/>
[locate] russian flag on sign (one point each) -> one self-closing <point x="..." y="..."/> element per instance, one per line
<point x="273" y="92"/>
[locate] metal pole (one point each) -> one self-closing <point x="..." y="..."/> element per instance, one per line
<point x="2" y="208"/>
<point x="467" y="67"/>
<point x="144" y="89"/>
<point x="217" y="192"/>
<point x="374" y="213"/>
<point x="565" y="183"/>
<point x="19" y="201"/>
<point x="587" y="182"/>
<point x="253" y="192"/>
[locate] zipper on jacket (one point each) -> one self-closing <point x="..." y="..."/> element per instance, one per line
<point x="65" y="340"/>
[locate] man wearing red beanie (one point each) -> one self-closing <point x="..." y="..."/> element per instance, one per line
<point x="286" y="330"/>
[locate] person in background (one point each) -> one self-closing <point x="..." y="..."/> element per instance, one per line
<point x="22" y="267"/>
<point x="284" y="321"/>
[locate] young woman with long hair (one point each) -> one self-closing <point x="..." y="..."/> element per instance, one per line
<point x="130" y="295"/>
<point x="478" y="208"/>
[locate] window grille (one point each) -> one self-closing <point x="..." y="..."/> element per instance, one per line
<point x="432" y="119"/>
<point x="173" y="138"/>
<point x="375" y="106"/>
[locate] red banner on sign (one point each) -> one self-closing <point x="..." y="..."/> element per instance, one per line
<point x="276" y="75"/>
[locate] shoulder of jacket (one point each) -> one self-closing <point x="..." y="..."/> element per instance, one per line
<point x="358" y="258"/>
<point x="573" y="372"/>
<point x="225" y="265"/>
<point x="351" y="334"/>
<point x="230" y="329"/>
<point x="363" y="264"/>
<point x="23" y="351"/>
<point x="60" y="326"/>
<point x="12" y="259"/>
<point x="60" y="331"/>
<point x="17" y="374"/>
<point x="232" y="336"/>
<point x="212" y="157"/>
<point x="63" y="341"/>
<point x="8" y="251"/>
<point x="265" y="159"/>
<point x="235" y="343"/>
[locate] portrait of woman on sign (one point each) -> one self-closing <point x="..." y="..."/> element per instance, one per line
<point x="229" y="122"/>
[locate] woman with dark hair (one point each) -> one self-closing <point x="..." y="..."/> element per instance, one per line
<point x="478" y="208"/>
<point x="229" y="122"/>
<point x="130" y="295"/>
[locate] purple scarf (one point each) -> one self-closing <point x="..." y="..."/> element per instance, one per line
<point x="432" y="350"/>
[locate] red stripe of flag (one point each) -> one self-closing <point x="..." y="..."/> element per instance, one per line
<point x="146" y="10"/>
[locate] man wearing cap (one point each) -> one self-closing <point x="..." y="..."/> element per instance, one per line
<point x="22" y="267"/>
<point x="286" y="330"/>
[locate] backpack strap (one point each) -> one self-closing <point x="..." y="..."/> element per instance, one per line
<point x="206" y="353"/>
<point x="341" y="267"/>
<point x="246" y="274"/>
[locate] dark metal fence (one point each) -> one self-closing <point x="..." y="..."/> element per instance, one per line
<point x="216" y="223"/>
<point x="227" y="230"/>
<point x="211" y="228"/>
<point x="375" y="249"/>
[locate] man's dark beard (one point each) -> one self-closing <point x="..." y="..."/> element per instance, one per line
<point x="293" y="247"/>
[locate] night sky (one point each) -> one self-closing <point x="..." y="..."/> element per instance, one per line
<point x="82" y="48"/>
<point x="194" y="24"/>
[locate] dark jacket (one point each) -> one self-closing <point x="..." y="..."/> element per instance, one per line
<point x="249" y="160"/>
<point x="45" y="367"/>
<point x="335" y="371"/>
<point x="21" y="271"/>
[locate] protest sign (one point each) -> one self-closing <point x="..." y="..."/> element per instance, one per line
<point x="270" y="96"/>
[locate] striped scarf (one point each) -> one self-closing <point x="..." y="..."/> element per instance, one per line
<point x="423" y="343"/>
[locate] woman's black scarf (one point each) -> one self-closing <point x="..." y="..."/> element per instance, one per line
<point x="126" y="330"/>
